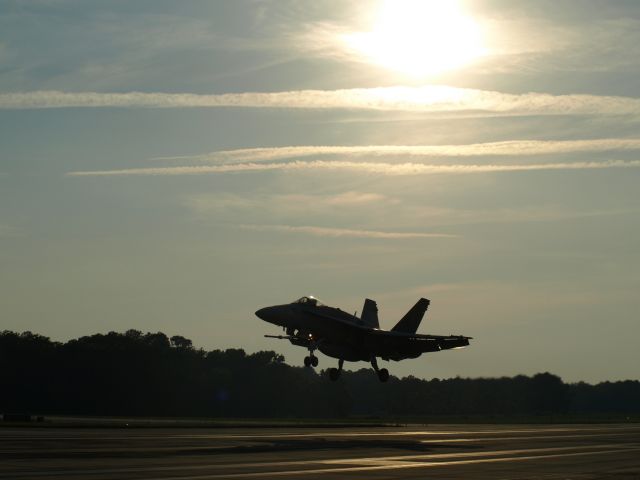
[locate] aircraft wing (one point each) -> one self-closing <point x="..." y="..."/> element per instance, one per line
<point x="445" y="341"/>
<point x="397" y="346"/>
<point x="343" y="329"/>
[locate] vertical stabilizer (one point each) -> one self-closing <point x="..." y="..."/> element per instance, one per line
<point x="411" y="321"/>
<point x="370" y="314"/>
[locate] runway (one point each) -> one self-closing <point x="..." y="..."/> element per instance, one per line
<point x="441" y="451"/>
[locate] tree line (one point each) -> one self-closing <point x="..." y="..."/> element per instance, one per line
<point x="151" y="374"/>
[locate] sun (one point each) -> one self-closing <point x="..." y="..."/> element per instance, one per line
<point x="419" y="37"/>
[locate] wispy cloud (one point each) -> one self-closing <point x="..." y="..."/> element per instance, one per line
<point x="369" y="167"/>
<point x="287" y="204"/>
<point x="429" y="98"/>
<point x="344" y="232"/>
<point x="428" y="215"/>
<point x="404" y="212"/>
<point x="512" y="147"/>
<point x="340" y="199"/>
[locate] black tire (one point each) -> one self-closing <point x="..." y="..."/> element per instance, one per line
<point x="314" y="361"/>
<point x="383" y="374"/>
<point x="334" y="374"/>
<point x="307" y="361"/>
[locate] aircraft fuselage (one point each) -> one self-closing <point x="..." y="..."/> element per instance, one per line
<point x="338" y="334"/>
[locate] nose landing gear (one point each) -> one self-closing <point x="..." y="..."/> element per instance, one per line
<point x="311" y="361"/>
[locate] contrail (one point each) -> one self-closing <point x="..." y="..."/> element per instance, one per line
<point x="344" y="232"/>
<point x="370" y="167"/>
<point x="428" y="98"/>
<point x="511" y="147"/>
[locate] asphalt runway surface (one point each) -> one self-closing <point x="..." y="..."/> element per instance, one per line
<point x="441" y="451"/>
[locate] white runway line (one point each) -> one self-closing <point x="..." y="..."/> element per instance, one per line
<point x="393" y="433"/>
<point x="533" y="437"/>
<point x="325" y="434"/>
<point x="186" y="448"/>
<point x="232" y="445"/>
<point x="395" y="465"/>
<point x="355" y="464"/>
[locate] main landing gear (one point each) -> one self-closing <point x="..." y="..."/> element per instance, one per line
<point x="334" y="373"/>
<point x="383" y="373"/>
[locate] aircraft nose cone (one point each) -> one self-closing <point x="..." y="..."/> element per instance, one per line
<point x="270" y="314"/>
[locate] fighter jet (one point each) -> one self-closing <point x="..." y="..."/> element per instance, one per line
<point x="315" y="326"/>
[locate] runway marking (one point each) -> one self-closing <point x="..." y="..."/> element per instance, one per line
<point x="365" y="463"/>
<point x="188" y="448"/>
<point x="213" y="449"/>
<point x="397" y="433"/>
<point x="532" y="437"/>
<point x="427" y="456"/>
<point x="227" y="446"/>
<point x="394" y="466"/>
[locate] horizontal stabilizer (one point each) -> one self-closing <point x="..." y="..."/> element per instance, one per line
<point x="411" y="321"/>
<point x="370" y="314"/>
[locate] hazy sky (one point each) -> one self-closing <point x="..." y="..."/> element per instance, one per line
<point x="175" y="165"/>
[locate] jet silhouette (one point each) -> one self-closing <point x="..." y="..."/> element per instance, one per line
<point x="313" y="325"/>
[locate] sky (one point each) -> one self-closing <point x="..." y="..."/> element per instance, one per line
<point x="174" y="166"/>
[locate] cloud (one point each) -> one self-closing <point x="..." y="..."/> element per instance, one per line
<point x="428" y="98"/>
<point x="344" y="232"/>
<point x="513" y="147"/>
<point x="404" y="212"/>
<point x="428" y="215"/>
<point x="368" y="167"/>
<point x="287" y="203"/>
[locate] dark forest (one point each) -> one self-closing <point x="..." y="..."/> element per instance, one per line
<point x="152" y="374"/>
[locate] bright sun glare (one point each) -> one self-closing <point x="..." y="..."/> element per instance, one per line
<point x="420" y="37"/>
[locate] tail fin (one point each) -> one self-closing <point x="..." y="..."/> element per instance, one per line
<point x="411" y="321"/>
<point x="370" y="314"/>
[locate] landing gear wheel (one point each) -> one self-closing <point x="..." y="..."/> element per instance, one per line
<point x="307" y="361"/>
<point x="334" y="374"/>
<point x="314" y="361"/>
<point x="383" y="374"/>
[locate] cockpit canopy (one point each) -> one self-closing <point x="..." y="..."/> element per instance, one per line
<point x="310" y="301"/>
